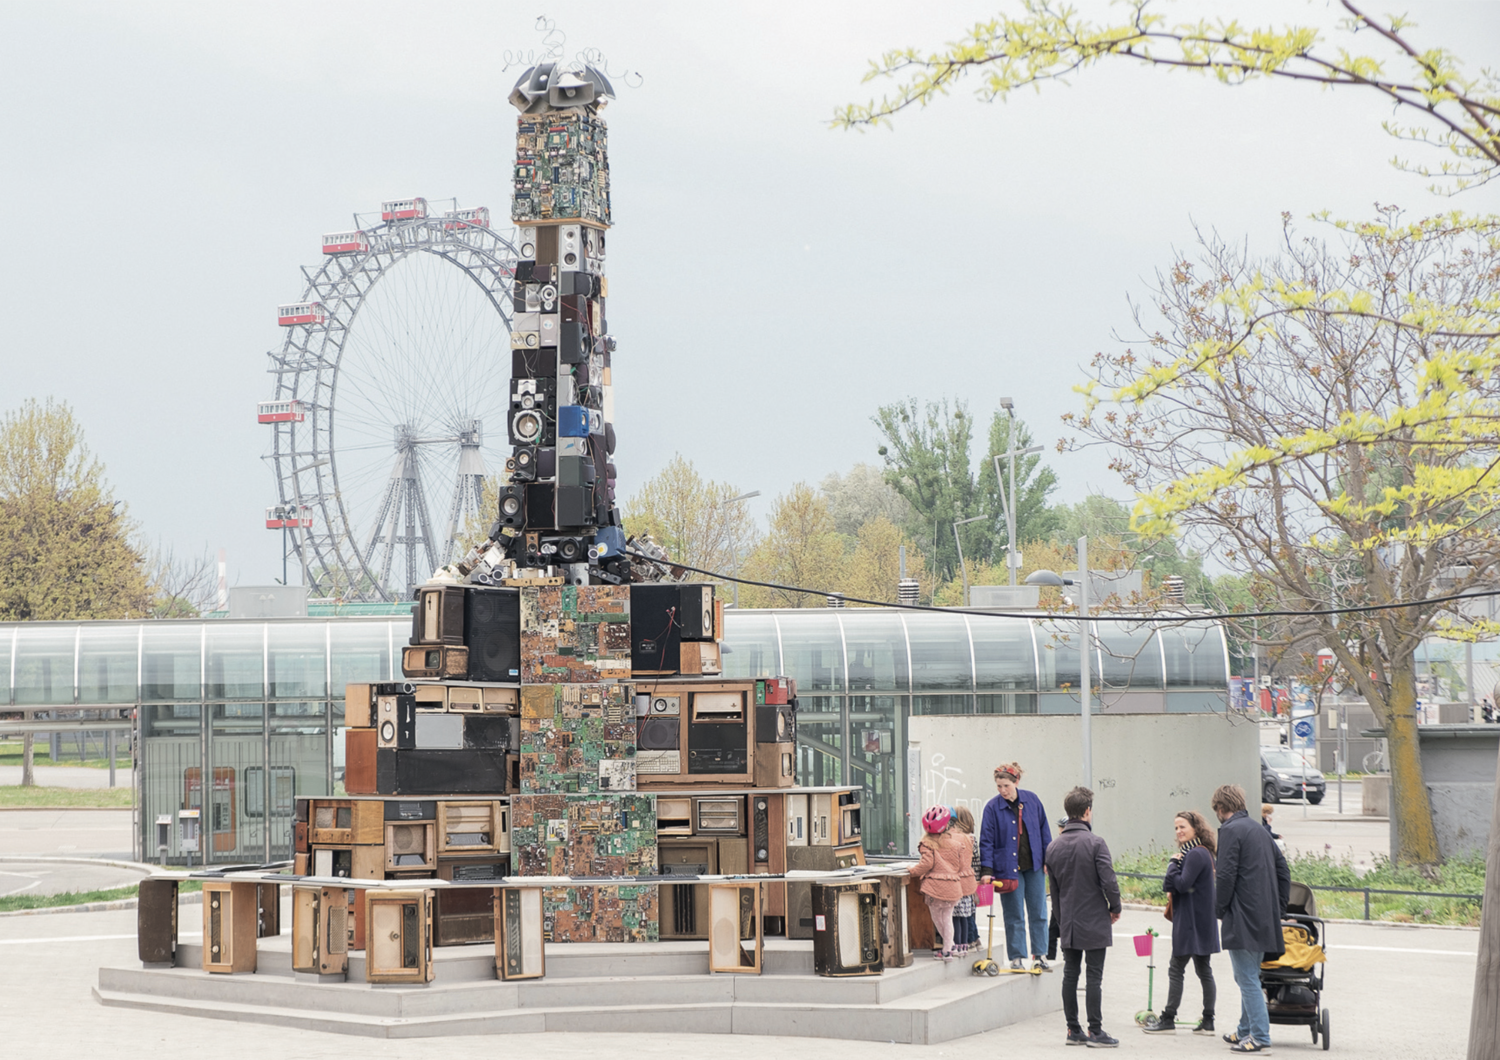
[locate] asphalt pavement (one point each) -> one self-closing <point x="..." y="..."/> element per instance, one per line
<point x="66" y="833"/>
<point x="68" y="776"/>
<point x="1394" y="993"/>
<point x="49" y="963"/>
<point x="41" y="877"/>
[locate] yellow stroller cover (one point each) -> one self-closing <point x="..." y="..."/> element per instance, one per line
<point x="1301" y="952"/>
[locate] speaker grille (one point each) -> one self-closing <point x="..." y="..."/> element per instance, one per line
<point x="660" y="734"/>
<point x="493" y="631"/>
<point x="409" y="839"/>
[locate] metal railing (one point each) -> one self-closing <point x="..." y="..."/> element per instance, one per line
<point x="1366" y="891"/>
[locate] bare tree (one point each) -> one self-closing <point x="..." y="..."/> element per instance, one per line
<point x="181" y="586"/>
<point x="1334" y="409"/>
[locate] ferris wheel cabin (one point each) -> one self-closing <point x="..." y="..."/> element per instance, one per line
<point x="289" y="517"/>
<point x="403" y="209"/>
<point x="473" y="217"/>
<point x="300" y="313"/>
<point x="345" y="243"/>
<point x="280" y="412"/>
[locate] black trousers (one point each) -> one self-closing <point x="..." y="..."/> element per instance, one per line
<point x="1093" y="990"/>
<point x="1175" y="969"/>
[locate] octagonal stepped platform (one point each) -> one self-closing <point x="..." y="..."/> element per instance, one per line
<point x="655" y="987"/>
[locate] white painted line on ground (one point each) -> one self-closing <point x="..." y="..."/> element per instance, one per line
<point x="18" y="890"/>
<point x="88" y="938"/>
<point x="1403" y="949"/>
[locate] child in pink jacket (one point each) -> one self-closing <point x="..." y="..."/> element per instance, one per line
<point x="947" y="873"/>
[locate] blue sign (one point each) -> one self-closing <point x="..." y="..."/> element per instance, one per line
<point x="1303" y="728"/>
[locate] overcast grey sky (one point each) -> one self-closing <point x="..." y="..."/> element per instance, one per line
<point x="167" y="168"/>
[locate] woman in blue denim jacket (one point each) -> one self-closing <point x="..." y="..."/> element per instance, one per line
<point x="1012" y="845"/>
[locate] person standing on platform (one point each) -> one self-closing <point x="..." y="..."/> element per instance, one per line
<point x="1254" y="887"/>
<point x="1013" y="842"/>
<point x="1087" y="898"/>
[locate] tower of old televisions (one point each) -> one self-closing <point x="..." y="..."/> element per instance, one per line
<point x="563" y="712"/>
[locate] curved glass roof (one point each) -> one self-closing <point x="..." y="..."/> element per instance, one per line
<point x="829" y="651"/>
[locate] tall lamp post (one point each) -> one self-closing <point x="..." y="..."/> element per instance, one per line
<point x="961" y="565"/>
<point x="726" y="504"/>
<point x="1012" y="557"/>
<point x="1085" y="679"/>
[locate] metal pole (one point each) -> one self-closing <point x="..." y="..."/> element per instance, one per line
<point x="1469" y="675"/>
<point x="961" y="566"/>
<point x="1010" y="513"/>
<point x="109" y="749"/>
<point x="1085" y="678"/>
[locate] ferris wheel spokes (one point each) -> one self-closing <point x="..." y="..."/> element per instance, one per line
<point x="468" y="491"/>
<point x="413" y="314"/>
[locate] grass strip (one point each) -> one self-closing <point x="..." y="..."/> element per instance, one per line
<point x="1458" y="876"/>
<point x="13" y="795"/>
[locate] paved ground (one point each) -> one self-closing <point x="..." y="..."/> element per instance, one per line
<point x="49" y="963"/>
<point x="68" y="776"/>
<point x="70" y="833"/>
<point x="1322" y="829"/>
<point x="19" y="877"/>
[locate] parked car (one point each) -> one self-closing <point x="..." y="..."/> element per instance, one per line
<point x="1283" y="774"/>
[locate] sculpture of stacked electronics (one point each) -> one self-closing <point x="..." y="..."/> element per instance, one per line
<point x="562" y="712"/>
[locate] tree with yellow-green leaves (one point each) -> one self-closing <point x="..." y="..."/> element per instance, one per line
<point x="1328" y="422"/>
<point x="692" y="517"/>
<point x="65" y="542"/>
<point x="801" y="550"/>
<point x="872" y="568"/>
<point x="1433" y="101"/>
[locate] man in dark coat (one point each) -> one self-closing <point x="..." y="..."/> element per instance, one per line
<point x="1086" y="897"/>
<point x="1254" y="886"/>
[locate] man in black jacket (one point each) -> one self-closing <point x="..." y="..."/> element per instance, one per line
<point x="1254" y="886"/>
<point x="1086" y="898"/>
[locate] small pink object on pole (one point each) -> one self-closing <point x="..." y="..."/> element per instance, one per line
<point x="1143" y="944"/>
<point x="985" y="895"/>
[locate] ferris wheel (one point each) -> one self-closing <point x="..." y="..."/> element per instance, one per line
<point x="392" y="388"/>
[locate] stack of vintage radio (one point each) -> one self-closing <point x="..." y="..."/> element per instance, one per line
<point x="583" y="731"/>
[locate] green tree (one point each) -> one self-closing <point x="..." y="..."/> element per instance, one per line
<point x="1035" y="519"/>
<point x="65" y="542"/>
<point x="860" y="495"/>
<point x="800" y="549"/>
<point x="1048" y="41"/>
<point x="926" y="455"/>
<point x="1279" y="392"/>
<point x="690" y="516"/>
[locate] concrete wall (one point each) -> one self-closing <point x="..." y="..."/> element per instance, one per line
<point x="1146" y="767"/>
<point x="1459" y="766"/>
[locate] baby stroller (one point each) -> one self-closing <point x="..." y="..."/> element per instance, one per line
<point x="1294" y="981"/>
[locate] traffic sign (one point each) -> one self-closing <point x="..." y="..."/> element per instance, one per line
<point x="1303" y="729"/>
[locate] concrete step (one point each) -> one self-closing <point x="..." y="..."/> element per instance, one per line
<point x="926" y="1002"/>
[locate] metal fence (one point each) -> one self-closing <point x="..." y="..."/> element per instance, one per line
<point x="1366" y="891"/>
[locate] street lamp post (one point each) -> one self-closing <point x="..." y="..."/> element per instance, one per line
<point x="963" y="568"/>
<point x="725" y="504"/>
<point x="1085" y="678"/>
<point x="1012" y="557"/>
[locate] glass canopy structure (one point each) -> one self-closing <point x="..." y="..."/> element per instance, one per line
<point x="255" y="708"/>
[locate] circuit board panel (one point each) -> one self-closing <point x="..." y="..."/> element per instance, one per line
<point x="590" y="835"/>
<point x="577" y="739"/>
<point x="575" y="633"/>
<point x="562" y="167"/>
